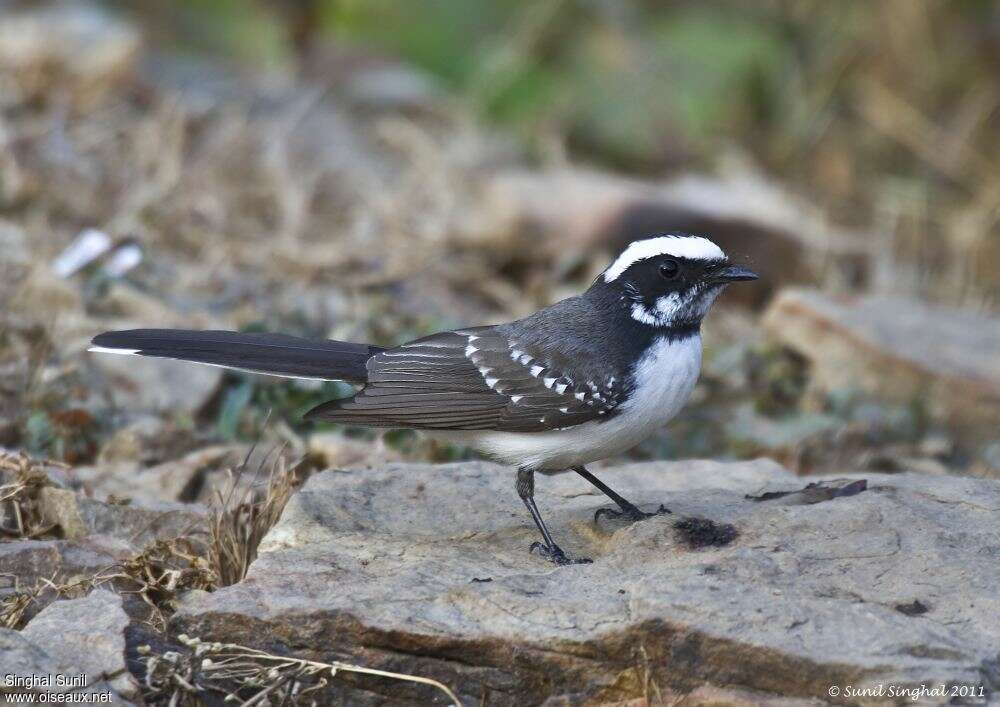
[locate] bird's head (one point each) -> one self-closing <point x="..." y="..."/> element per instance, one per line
<point x="669" y="280"/>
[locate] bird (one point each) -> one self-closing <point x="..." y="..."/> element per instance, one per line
<point x="578" y="381"/>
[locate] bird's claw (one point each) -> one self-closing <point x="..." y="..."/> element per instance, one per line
<point x="629" y="513"/>
<point x="555" y="555"/>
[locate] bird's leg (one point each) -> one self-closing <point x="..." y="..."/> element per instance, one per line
<point x="526" y="490"/>
<point x="628" y="510"/>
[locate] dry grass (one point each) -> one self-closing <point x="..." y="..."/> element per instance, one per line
<point x="166" y="568"/>
<point x="246" y="512"/>
<point x="247" y="676"/>
<point x="651" y="693"/>
<point x="21" y="514"/>
<point x="14" y="606"/>
<point x="157" y="575"/>
<point x="160" y="574"/>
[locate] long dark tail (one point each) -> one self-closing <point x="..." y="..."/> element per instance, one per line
<point x="273" y="354"/>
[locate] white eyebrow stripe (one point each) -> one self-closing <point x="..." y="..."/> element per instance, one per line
<point x="694" y="247"/>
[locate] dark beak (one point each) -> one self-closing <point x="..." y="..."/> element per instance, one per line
<point x="733" y="273"/>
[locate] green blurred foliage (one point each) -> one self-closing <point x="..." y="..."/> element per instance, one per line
<point x="872" y="110"/>
<point x="245" y="30"/>
<point x="636" y="82"/>
<point x="626" y="80"/>
<point x="623" y="79"/>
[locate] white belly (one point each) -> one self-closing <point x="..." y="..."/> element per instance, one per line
<point x="664" y="379"/>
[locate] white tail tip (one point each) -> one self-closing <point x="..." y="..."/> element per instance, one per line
<point x="105" y="349"/>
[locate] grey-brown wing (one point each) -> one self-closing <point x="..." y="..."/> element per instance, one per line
<point x="473" y="379"/>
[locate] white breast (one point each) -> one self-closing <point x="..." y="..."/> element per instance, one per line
<point x="664" y="379"/>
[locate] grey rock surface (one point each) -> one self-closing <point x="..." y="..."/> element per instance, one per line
<point x="900" y="350"/>
<point x="89" y="634"/>
<point x="28" y="561"/>
<point x="334" y="450"/>
<point x="26" y="565"/>
<point x="425" y="569"/>
<point x="196" y="476"/>
<point x="91" y="536"/>
<point x="39" y="662"/>
<point x="80" y="517"/>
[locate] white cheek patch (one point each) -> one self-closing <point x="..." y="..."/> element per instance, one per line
<point x="676" y="307"/>
<point x="692" y="247"/>
<point x="641" y="314"/>
<point x="663" y="312"/>
<point x="668" y="306"/>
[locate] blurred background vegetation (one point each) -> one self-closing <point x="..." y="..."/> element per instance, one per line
<point x="380" y="169"/>
<point x="883" y="113"/>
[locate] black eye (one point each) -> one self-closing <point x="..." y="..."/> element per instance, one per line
<point x="669" y="269"/>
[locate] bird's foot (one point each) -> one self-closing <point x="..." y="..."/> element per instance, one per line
<point x="629" y="513"/>
<point x="553" y="553"/>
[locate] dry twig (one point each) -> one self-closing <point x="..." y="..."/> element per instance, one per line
<point x="231" y="670"/>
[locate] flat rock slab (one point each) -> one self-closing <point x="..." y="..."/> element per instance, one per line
<point x="898" y="349"/>
<point x="88" y="633"/>
<point x="425" y="570"/>
<point x="72" y="652"/>
<point x="25" y="563"/>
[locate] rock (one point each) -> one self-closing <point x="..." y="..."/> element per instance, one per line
<point x="332" y="450"/>
<point x="44" y="471"/>
<point x="157" y="384"/>
<point x="64" y="559"/>
<point x="89" y="634"/>
<point x="425" y="570"/>
<point x="147" y="440"/>
<point x="63" y="512"/>
<point x="29" y="669"/>
<point x="61" y="560"/>
<point x="576" y="211"/>
<point x="780" y="438"/>
<point x="79" y="516"/>
<point x="27" y="564"/>
<point x="194" y="478"/>
<point x="180" y="479"/>
<point x="898" y="350"/>
<point x="59" y="508"/>
<point x="76" y="47"/>
<point x="320" y="135"/>
<point x="711" y="696"/>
